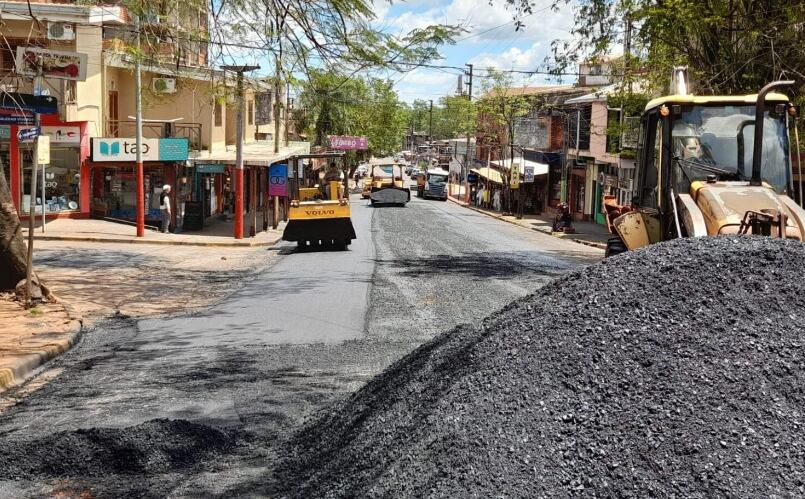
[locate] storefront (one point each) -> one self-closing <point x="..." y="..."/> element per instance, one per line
<point x="66" y="182"/>
<point x="212" y="188"/>
<point x="114" y="177"/>
<point x="578" y="191"/>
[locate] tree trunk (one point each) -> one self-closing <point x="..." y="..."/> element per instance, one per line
<point x="13" y="250"/>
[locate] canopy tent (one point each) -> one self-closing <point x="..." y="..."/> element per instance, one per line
<point x="539" y="168"/>
<point x="489" y="173"/>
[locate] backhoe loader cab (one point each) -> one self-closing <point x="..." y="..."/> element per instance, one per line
<point x="705" y="167"/>
<point x="319" y="213"/>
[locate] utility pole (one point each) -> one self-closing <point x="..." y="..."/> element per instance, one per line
<point x="239" y="149"/>
<point x="565" y="174"/>
<point x="430" y="133"/>
<point x="277" y="92"/>
<point x="140" y="213"/>
<point x="430" y="121"/>
<point x="29" y="264"/>
<point x="465" y="171"/>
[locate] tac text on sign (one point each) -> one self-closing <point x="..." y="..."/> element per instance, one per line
<point x="115" y="149"/>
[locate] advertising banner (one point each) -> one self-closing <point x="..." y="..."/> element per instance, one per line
<point x="278" y="180"/>
<point x="515" y="176"/>
<point x="16" y="117"/>
<point x="348" y="143"/>
<point x="528" y="177"/>
<point x="54" y="63"/>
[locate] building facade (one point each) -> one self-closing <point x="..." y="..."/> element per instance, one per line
<point x="189" y="111"/>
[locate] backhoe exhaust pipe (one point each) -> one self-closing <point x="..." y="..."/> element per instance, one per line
<point x="760" y="106"/>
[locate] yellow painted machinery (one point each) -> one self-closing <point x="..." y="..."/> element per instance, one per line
<point x="318" y="214"/>
<point x="710" y="165"/>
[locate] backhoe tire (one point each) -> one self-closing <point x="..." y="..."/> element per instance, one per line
<point x="615" y="246"/>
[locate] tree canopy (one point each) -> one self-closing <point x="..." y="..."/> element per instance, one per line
<point x="337" y="104"/>
<point x="730" y="46"/>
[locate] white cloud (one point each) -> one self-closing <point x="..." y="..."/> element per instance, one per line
<point x="483" y="21"/>
<point x="426" y="84"/>
<point x="513" y="58"/>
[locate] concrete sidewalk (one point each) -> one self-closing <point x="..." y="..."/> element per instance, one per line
<point x="587" y="233"/>
<point x="216" y="233"/>
<point x="30" y="338"/>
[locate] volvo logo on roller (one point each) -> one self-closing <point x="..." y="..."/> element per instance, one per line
<point x="319" y="213"/>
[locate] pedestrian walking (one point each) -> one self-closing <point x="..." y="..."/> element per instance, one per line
<point x="165" y="207"/>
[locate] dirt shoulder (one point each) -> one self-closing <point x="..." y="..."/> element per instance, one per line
<point x="97" y="280"/>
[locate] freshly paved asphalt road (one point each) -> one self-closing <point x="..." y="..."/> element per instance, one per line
<point x="311" y="328"/>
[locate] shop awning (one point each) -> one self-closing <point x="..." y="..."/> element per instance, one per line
<point x="254" y="154"/>
<point x="489" y="173"/>
<point x="539" y="168"/>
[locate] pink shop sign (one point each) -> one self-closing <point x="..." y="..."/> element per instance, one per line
<point x="347" y="143"/>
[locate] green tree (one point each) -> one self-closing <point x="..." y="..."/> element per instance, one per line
<point x="336" y="104"/>
<point x="730" y="46"/>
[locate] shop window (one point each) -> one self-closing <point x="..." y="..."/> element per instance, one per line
<point x="579" y="128"/>
<point x="218" y="111"/>
<point x="114" y="193"/>
<point x="62" y="181"/>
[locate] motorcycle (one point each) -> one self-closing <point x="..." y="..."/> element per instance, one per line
<point x="563" y="221"/>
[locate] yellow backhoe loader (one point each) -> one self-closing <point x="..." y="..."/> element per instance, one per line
<point x="319" y="214"/>
<point x="710" y="165"/>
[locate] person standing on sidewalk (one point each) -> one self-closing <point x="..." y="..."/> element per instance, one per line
<point x="165" y="207"/>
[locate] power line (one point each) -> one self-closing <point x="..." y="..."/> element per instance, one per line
<point x="270" y="49"/>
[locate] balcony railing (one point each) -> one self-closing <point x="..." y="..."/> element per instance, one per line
<point x="157" y="130"/>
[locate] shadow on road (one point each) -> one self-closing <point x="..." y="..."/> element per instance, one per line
<point x="476" y="265"/>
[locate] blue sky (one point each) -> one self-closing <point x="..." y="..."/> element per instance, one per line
<point x="490" y="41"/>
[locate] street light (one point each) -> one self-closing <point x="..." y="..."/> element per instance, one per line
<point x="239" y="149"/>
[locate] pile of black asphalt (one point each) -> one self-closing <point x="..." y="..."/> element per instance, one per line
<point x="676" y="370"/>
<point x="156" y="446"/>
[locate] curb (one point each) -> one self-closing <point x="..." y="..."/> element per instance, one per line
<point x="244" y="244"/>
<point x="593" y="244"/>
<point x="26" y="364"/>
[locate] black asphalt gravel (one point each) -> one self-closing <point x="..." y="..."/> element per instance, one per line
<point x="674" y="371"/>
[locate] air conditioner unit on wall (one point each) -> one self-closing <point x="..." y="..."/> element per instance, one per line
<point x="163" y="85"/>
<point x="61" y="31"/>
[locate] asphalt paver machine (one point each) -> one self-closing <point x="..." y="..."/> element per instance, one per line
<point x="387" y="184"/>
<point x="708" y="166"/>
<point x="319" y="212"/>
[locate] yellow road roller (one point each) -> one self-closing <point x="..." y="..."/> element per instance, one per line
<point x="319" y="212"/>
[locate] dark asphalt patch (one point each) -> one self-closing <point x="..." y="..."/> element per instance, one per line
<point x="674" y="371"/>
<point x="153" y="447"/>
